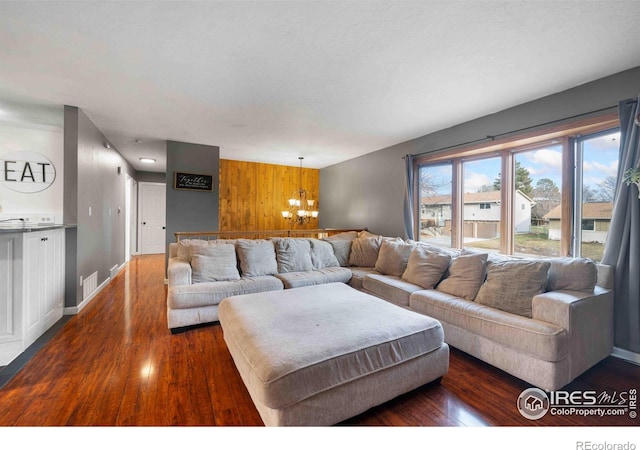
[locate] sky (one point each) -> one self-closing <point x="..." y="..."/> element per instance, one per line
<point x="600" y="161"/>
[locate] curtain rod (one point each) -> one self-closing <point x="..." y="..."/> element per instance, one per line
<point x="493" y="137"/>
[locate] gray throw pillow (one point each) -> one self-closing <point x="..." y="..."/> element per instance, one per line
<point x="322" y="254"/>
<point x="511" y="285"/>
<point x="393" y="257"/>
<point x="425" y="267"/>
<point x="185" y="245"/>
<point x="293" y="255"/>
<point x="214" y="263"/>
<point x="572" y="274"/>
<point x="465" y="275"/>
<point x="257" y="257"/>
<point x="341" y="250"/>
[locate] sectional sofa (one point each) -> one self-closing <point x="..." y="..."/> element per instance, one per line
<point x="544" y="321"/>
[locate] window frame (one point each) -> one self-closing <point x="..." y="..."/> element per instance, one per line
<point x="563" y="133"/>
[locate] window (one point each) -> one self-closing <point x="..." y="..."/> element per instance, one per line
<point x="542" y="194"/>
<point x="434" y="183"/>
<point x="597" y="161"/>
<point x="481" y="186"/>
<point x="538" y="192"/>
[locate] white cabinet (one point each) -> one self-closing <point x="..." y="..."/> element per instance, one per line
<point x="31" y="288"/>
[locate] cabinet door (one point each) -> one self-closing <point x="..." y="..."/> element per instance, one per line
<point x="32" y="285"/>
<point x="8" y="310"/>
<point x="52" y="277"/>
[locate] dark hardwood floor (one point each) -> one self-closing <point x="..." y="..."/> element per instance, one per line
<point x="117" y="364"/>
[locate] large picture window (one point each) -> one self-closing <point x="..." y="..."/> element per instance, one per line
<point x="543" y="195"/>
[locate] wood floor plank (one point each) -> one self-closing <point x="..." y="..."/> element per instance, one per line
<point x="116" y="364"/>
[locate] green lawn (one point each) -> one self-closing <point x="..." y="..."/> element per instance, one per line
<point x="538" y="243"/>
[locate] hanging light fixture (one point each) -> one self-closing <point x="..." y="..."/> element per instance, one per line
<point x="301" y="208"/>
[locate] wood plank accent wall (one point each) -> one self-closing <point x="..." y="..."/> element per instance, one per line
<point x="253" y="195"/>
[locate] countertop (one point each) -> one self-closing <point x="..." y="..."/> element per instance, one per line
<point x="6" y="228"/>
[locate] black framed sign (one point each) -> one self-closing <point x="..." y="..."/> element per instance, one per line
<point x="193" y="181"/>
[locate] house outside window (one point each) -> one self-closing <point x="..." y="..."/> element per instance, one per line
<point x="463" y="201"/>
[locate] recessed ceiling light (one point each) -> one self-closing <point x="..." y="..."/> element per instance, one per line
<point x="147" y="160"/>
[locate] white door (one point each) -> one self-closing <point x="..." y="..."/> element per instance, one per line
<point x="152" y="202"/>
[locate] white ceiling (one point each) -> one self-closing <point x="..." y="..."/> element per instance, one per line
<point x="270" y="81"/>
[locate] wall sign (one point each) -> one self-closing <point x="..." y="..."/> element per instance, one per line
<point x="192" y="181"/>
<point x="26" y="172"/>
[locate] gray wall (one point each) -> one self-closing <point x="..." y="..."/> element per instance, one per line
<point x="368" y="191"/>
<point x="191" y="210"/>
<point x="91" y="181"/>
<point x="150" y="177"/>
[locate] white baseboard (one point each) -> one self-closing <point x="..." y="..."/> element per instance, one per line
<point x="626" y="354"/>
<point x="72" y="310"/>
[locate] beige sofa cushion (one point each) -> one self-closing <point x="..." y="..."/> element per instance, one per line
<point x="322" y="254"/>
<point x="572" y="274"/>
<point x="535" y="338"/>
<point x="358" y="275"/>
<point x="208" y="294"/>
<point x="511" y="285"/>
<point x="466" y="274"/>
<point x="314" y="277"/>
<point x="257" y="257"/>
<point x="364" y="251"/>
<point x="293" y="255"/>
<point x="393" y="289"/>
<point x="425" y="267"/>
<point x="213" y="263"/>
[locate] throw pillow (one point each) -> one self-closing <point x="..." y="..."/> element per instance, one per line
<point x="466" y="274"/>
<point x="341" y="250"/>
<point x="185" y="246"/>
<point x="364" y="251"/>
<point x="257" y="257"/>
<point x="425" y="267"/>
<point x="393" y="257"/>
<point x="572" y="274"/>
<point x="322" y="254"/>
<point x="344" y="236"/>
<point x="293" y="255"/>
<point x="214" y="263"/>
<point x="511" y="285"/>
<point x="366" y="234"/>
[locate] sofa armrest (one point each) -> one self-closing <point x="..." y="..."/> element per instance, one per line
<point x="588" y="319"/>
<point x="178" y="272"/>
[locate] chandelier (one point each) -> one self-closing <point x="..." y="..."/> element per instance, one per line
<point x="301" y="207"/>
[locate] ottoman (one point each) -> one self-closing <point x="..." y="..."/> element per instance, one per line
<point x="318" y="355"/>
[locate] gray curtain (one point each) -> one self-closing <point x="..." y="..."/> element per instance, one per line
<point x="622" y="249"/>
<point x="408" y="197"/>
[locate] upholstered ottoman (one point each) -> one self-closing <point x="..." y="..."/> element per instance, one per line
<point x="319" y="355"/>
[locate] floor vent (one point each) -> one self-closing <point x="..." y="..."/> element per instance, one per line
<point x="114" y="271"/>
<point x="89" y="285"/>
